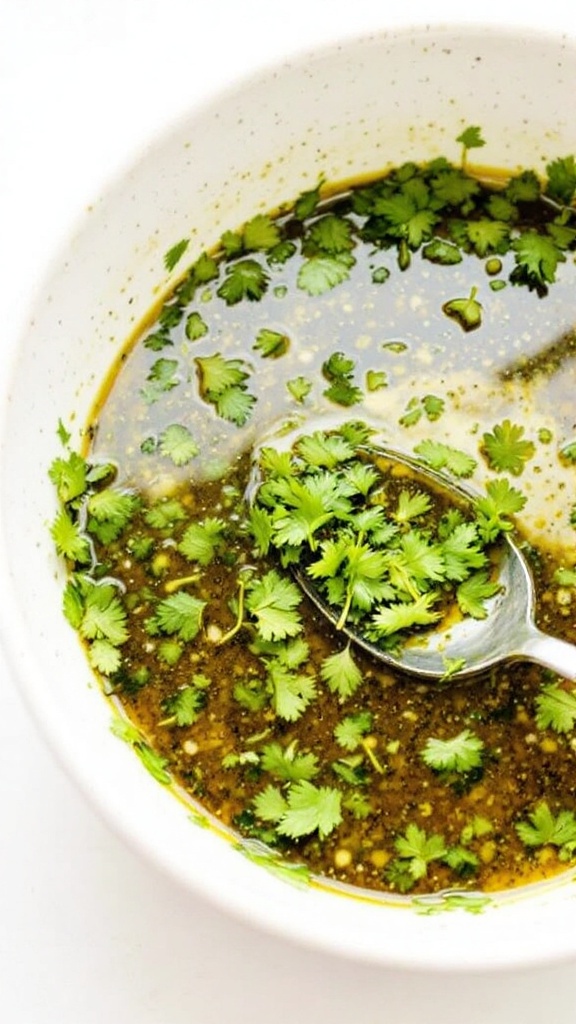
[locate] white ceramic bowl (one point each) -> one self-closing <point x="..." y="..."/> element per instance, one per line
<point x="353" y="108"/>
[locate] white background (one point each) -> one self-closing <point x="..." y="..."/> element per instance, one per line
<point x="88" y="933"/>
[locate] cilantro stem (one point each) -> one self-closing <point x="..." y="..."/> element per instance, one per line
<point x="182" y="581"/>
<point x="371" y="756"/>
<point x="239" y="618"/>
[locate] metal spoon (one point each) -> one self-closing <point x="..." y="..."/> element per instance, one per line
<point x="508" y="633"/>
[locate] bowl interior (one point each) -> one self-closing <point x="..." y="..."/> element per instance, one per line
<point x="339" y="113"/>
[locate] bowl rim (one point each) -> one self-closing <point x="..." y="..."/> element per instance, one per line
<point x="49" y="722"/>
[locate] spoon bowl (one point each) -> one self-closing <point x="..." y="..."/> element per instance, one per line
<point x="468" y="646"/>
<point x="508" y="633"/>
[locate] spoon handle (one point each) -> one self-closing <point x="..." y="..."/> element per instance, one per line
<point x="554" y="654"/>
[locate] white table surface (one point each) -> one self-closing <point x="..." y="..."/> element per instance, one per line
<point x="89" y="934"/>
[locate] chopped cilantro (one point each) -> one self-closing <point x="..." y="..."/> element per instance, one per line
<point x="473" y="592"/>
<point x="292" y="691"/>
<point x="467" y="312"/>
<point x="70" y="539"/>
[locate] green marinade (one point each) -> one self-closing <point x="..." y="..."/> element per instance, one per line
<point x="435" y="305"/>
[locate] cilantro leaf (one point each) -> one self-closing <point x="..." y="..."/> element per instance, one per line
<point x="109" y="512"/>
<point x="299" y="388"/>
<point x="537" y="257"/>
<point x="175" y="254"/>
<point x="561" y="184"/>
<point x="269" y="804"/>
<point x="69" y="476"/>
<point x="287" y="763"/>
<point x="261" y="233"/>
<point x="310" y="809"/>
<point x="70" y="540"/>
<point x="217" y="373"/>
<point x="341" y="673"/>
<point x="163" y="514"/>
<point x="329" y="234"/>
<point x="273" y="601"/>
<point x="352" y="729"/>
<point x="404" y="615"/>
<point x="494" y="509"/>
<point x="556" y="708"/>
<point x="196" y="327"/>
<point x="271" y="344"/>
<point x="291" y="691"/>
<point x="324" y="450"/>
<point x="461" y="551"/>
<point x="543" y="829"/>
<point x="471" y="138"/>
<point x="185" y="705"/>
<point x="443" y="252"/>
<point x="461" y="753"/>
<point x="162" y="377"/>
<point x="307" y="202"/>
<point x="245" y="279"/>
<point x="104" y="616"/>
<point x="473" y="592"/>
<point x="234" y="404"/>
<point x="177" y="444"/>
<point x="419" y="849"/>
<point x="223" y="384"/>
<point x="338" y="370"/>
<point x="442" y="456"/>
<point x="180" y="614"/>
<point x="200" y="540"/>
<point x="321" y="273"/>
<point x="483" y="236"/>
<point x="505" y="448"/>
